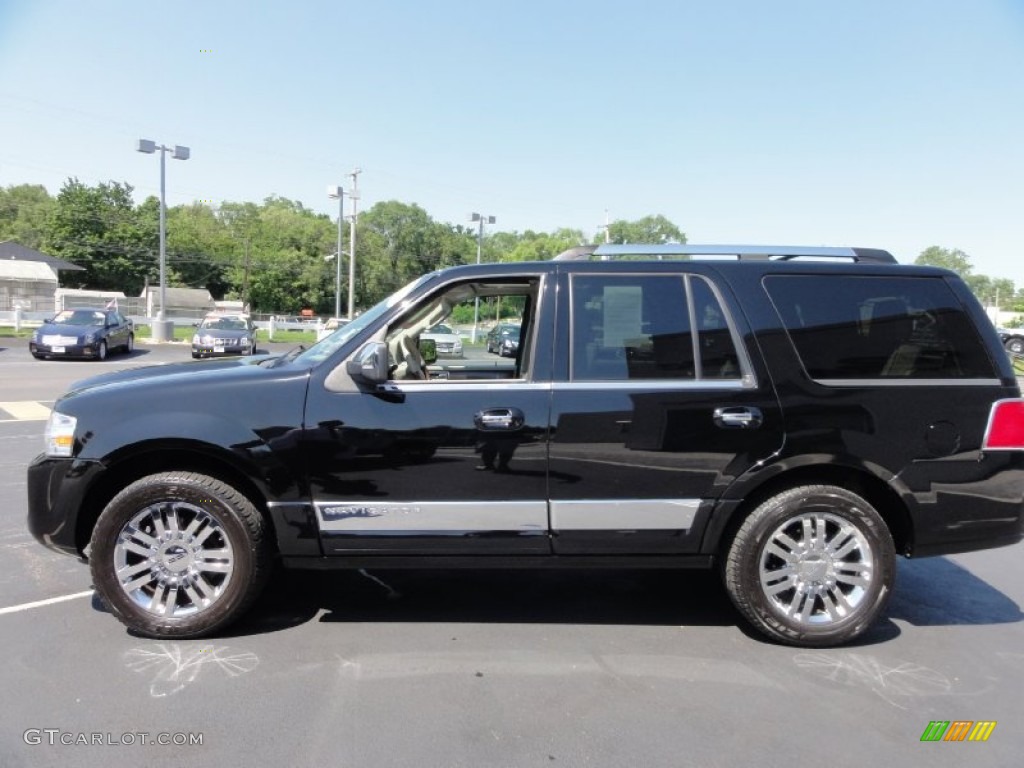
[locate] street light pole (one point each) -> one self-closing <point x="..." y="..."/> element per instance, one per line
<point x="479" y="249"/>
<point x="352" y="243"/>
<point x="163" y="329"/>
<point x="336" y="192"/>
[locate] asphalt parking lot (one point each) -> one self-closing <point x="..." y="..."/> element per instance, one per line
<point x="469" y="668"/>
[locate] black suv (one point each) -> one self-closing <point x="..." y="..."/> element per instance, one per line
<point x="792" y="416"/>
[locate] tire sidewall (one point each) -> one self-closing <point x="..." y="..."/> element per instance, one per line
<point x="744" y="563"/>
<point x="122" y="509"/>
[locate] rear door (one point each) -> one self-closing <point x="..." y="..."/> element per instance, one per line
<point x="658" y="408"/>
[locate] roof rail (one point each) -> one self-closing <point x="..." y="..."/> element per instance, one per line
<point x="607" y="252"/>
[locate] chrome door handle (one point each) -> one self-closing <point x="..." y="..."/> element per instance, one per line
<point x="738" y="418"/>
<point x="499" y="419"/>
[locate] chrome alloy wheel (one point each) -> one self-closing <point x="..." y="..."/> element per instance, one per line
<point x="173" y="559"/>
<point x="816" y="568"/>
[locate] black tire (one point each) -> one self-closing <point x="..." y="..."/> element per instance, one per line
<point x="217" y="548"/>
<point x="101" y="351"/>
<point x="196" y="356"/>
<point x="813" y="598"/>
<point x="1015" y="346"/>
<point x="129" y="346"/>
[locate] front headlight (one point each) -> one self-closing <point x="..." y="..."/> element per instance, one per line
<point x="195" y="338"/>
<point x="60" y="434"/>
<point x="89" y="338"/>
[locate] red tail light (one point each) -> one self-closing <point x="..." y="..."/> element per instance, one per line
<point x="1005" y="430"/>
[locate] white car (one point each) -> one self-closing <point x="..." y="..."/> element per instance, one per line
<point x="329" y="327"/>
<point x="446" y="340"/>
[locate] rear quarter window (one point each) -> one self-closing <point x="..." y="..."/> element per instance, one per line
<point x="870" y="327"/>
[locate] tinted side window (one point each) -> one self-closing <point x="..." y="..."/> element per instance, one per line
<point x="717" y="352"/>
<point x="857" y="327"/>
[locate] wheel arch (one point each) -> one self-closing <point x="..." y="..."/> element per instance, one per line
<point x="141" y="461"/>
<point x="728" y="516"/>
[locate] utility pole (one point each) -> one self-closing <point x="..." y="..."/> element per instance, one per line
<point x="245" y="281"/>
<point x="337" y="193"/>
<point x="354" y="196"/>
<point x="607" y="227"/>
<point x="480" y="218"/>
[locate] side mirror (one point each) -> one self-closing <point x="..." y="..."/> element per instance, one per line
<point x="428" y="351"/>
<point x="370" y="363"/>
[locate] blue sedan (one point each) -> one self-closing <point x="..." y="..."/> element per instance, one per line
<point x="88" y="333"/>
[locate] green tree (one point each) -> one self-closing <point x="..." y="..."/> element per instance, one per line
<point x="947" y="258"/>
<point x="650" y="229"/>
<point x="543" y="246"/>
<point x="199" y="248"/>
<point x="24" y="210"/>
<point x="98" y="228"/>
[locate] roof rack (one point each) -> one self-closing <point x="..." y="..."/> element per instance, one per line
<point x="606" y="252"/>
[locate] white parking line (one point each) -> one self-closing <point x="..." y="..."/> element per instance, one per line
<point x="41" y="603"/>
<point x="26" y="410"/>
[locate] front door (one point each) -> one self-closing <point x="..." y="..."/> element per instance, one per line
<point x="446" y="458"/>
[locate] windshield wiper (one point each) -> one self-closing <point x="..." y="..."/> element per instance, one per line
<point x="287" y="357"/>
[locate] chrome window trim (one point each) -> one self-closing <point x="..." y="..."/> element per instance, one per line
<point x="464" y="385"/>
<point x="623" y="514"/>
<point x="389" y="517"/>
<point x="655" y="385"/>
<point x="861" y="383"/>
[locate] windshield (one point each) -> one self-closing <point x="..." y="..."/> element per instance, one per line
<point x="80" y="317"/>
<point x="441" y="330"/>
<point x="330" y="344"/>
<point x="224" y="324"/>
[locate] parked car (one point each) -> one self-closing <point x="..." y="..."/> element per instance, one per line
<point x="89" y="333"/>
<point x="503" y="339"/>
<point x="447" y="341"/>
<point x="329" y="327"/>
<point x="220" y="334"/>
<point x="794" y="424"/>
<point x="1013" y="340"/>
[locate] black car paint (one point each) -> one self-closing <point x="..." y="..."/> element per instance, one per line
<point x="294" y="442"/>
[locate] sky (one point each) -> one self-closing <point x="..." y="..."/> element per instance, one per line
<point x="895" y="125"/>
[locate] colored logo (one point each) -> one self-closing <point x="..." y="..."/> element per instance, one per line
<point x="958" y="730"/>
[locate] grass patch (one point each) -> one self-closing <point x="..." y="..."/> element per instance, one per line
<point x="181" y="332"/>
<point x="7" y="331"/>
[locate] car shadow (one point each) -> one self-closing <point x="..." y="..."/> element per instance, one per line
<point x="936" y="591"/>
<point x="578" y="596"/>
<point x="929" y="592"/>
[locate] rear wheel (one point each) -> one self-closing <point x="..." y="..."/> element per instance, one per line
<point x="179" y="554"/>
<point x="812" y="566"/>
<point x="129" y="346"/>
<point x="1015" y="346"/>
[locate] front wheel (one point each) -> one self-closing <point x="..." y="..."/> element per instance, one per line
<point x="129" y="346"/>
<point x="101" y="351"/>
<point x="812" y="566"/>
<point x="1015" y="347"/>
<point x="179" y="555"/>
